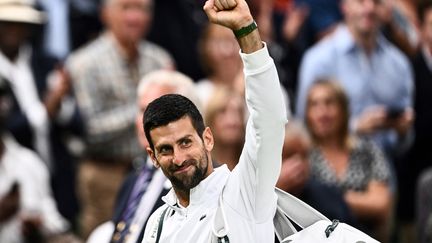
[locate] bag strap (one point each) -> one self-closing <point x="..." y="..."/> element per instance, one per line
<point x="298" y="211"/>
<point x="161" y="221"/>
<point x="220" y="224"/>
<point x="291" y="208"/>
<point x="282" y="225"/>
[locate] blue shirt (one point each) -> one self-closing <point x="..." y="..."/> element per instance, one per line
<point x="382" y="78"/>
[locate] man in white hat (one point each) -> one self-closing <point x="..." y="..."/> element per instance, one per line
<point x="20" y="11"/>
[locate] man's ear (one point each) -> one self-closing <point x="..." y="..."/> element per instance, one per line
<point x="153" y="157"/>
<point x="208" y="139"/>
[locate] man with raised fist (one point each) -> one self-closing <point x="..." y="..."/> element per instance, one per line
<point x="207" y="204"/>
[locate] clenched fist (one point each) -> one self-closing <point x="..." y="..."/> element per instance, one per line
<point x="233" y="14"/>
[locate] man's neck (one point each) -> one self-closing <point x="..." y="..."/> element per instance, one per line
<point x="182" y="197"/>
<point x="128" y="49"/>
<point x="367" y="41"/>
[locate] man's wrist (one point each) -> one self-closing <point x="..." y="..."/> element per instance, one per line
<point x="251" y="42"/>
<point x="246" y="30"/>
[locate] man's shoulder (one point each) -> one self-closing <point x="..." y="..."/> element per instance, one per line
<point x="153" y="53"/>
<point x="322" y="51"/>
<point x="90" y="52"/>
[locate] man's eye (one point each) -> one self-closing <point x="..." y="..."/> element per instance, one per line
<point x="164" y="150"/>
<point x="186" y="142"/>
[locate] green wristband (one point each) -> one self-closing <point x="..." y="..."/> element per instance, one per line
<point x="245" y="30"/>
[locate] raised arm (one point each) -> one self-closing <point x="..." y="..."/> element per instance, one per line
<point x="255" y="176"/>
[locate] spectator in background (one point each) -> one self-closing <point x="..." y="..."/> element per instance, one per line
<point x="28" y="211"/>
<point x="35" y="120"/>
<point x="419" y="157"/>
<point x="225" y="115"/>
<point x="219" y="57"/>
<point x="353" y="165"/>
<point x="295" y="177"/>
<point x="376" y="76"/>
<point x="105" y="75"/>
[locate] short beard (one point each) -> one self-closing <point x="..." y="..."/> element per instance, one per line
<point x="188" y="183"/>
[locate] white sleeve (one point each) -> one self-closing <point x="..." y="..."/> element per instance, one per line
<point x="252" y="183"/>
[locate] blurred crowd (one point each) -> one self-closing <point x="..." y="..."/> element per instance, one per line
<point x="76" y="76"/>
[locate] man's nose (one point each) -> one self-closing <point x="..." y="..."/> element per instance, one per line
<point x="179" y="157"/>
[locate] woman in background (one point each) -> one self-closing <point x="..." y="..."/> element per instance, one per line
<point x="353" y="165"/>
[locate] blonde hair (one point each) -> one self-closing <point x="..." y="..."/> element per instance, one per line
<point x="342" y="101"/>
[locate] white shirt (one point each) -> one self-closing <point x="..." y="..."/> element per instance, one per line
<point x="24" y="88"/>
<point x="248" y="191"/>
<point x="21" y="165"/>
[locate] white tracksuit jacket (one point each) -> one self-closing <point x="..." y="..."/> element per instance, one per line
<point x="248" y="191"/>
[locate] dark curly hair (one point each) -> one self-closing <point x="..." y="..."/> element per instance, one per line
<point x="169" y="108"/>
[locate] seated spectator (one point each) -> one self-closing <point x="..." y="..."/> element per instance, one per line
<point x="295" y="177"/>
<point x="225" y="115"/>
<point x="28" y="212"/>
<point x="352" y="164"/>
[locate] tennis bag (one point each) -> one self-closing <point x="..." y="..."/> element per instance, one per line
<point x="315" y="226"/>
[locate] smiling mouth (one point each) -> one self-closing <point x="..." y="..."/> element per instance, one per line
<point x="182" y="169"/>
